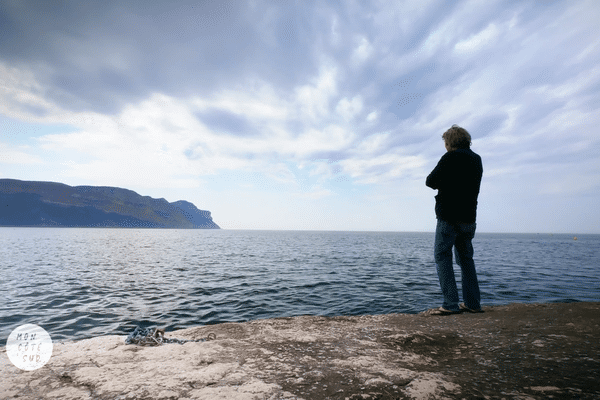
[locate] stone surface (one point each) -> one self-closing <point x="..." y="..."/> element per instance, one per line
<point x="518" y="351"/>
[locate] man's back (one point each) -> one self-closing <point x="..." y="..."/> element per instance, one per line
<point x="457" y="177"/>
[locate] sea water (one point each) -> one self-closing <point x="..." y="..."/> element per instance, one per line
<point x="80" y="283"/>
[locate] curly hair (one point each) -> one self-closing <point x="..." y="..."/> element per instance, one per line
<point x="457" y="138"/>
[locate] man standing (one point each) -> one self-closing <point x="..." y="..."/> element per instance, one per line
<point x="457" y="177"/>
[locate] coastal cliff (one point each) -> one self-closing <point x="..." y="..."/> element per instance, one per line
<point x="31" y="203"/>
<point x="516" y="351"/>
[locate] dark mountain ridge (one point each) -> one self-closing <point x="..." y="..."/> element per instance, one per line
<point x="32" y="203"/>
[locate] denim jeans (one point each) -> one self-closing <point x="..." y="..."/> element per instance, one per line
<point x="459" y="236"/>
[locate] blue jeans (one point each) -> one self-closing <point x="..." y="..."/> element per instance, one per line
<point x="459" y="236"/>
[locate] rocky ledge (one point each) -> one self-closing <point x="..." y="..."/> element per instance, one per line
<point x="517" y="351"/>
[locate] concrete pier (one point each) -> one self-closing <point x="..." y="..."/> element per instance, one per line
<point x="517" y="351"/>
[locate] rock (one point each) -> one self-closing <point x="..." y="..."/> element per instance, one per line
<point x="396" y="356"/>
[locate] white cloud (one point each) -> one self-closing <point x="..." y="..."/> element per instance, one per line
<point x="349" y="109"/>
<point x="383" y="168"/>
<point x="149" y="144"/>
<point x="481" y="39"/>
<point x="314" y="99"/>
<point x="582" y="81"/>
<point x="19" y="155"/>
<point x="20" y="94"/>
<point x="330" y="138"/>
<point x="589" y="51"/>
<point x="334" y="33"/>
<point x="257" y="100"/>
<point x="316" y="194"/>
<point x="372" y="144"/>
<point x="363" y="51"/>
<point x="373" y="115"/>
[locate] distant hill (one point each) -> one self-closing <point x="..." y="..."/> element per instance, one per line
<point x="30" y="203"/>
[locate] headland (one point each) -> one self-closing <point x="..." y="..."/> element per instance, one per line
<point x="52" y="204"/>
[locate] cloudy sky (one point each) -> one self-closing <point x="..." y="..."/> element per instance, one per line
<point x="309" y="114"/>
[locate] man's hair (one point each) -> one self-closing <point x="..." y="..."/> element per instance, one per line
<point x="457" y="138"/>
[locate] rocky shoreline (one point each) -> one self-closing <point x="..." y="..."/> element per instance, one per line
<point x="516" y="351"/>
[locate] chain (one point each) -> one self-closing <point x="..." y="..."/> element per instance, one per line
<point x="156" y="337"/>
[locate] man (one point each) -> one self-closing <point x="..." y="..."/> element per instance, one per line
<point x="457" y="177"/>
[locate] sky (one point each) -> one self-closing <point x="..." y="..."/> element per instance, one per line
<point x="309" y="115"/>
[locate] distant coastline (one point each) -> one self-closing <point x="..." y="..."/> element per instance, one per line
<point x="53" y="204"/>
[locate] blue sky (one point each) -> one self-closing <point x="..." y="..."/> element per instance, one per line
<point x="309" y="115"/>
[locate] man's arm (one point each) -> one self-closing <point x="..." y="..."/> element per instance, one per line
<point x="435" y="177"/>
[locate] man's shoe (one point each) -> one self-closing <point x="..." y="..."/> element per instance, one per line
<point x="471" y="310"/>
<point x="440" y="311"/>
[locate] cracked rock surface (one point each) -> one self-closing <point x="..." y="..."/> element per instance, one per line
<point x="517" y="351"/>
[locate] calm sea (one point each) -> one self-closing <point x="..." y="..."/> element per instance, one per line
<point x="79" y="283"/>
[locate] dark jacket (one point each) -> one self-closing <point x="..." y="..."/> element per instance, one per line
<point x="457" y="178"/>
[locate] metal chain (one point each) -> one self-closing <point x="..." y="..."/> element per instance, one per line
<point x="156" y="337"/>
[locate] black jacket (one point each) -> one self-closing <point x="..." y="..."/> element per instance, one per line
<point x="457" y="177"/>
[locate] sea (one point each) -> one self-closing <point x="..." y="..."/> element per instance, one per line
<point x="79" y="283"/>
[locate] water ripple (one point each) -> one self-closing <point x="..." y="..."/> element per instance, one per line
<point x="80" y="283"/>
